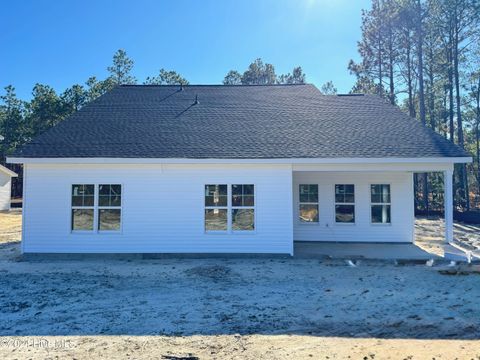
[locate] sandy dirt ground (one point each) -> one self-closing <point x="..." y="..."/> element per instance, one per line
<point x="232" y="309"/>
<point x="10" y="226"/>
<point x="430" y="235"/>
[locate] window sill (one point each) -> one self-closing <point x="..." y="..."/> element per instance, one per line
<point x="216" y="232"/>
<point x="230" y="232"/>
<point x="109" y="232"/>
<point x="82" y="232"/>
<point x="243" y="232"/>
<point x="98" y="232"/>
<point x="308" y="223"/>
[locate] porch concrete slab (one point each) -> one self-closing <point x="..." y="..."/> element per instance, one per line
<point x="377" y="251"/>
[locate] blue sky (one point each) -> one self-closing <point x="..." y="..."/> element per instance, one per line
<point x="61" y="43"/>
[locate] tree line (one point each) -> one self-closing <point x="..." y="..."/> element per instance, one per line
<point x="21" y="121"/>
<point x="424" y="56"/>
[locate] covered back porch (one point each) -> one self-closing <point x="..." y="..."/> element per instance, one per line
<point x="366" y="209"/>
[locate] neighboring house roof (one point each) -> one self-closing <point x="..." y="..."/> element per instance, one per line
<point x="238" y="122"/>
<point x="7" y="171"/>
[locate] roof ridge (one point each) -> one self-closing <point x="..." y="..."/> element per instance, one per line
<point x="213" y="85"/>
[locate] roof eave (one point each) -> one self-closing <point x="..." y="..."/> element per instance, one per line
<point x="116" y="160"/>
<point x="8" y="171"/>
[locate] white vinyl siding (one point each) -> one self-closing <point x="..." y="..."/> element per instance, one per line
<point x="5" y="191"/>
<point x="402" y="215"/>
<point x="162" y="209"/>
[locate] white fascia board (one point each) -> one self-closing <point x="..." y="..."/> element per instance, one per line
<point x="379" y="167"/>
<point x="386" y="160"/>
<point x="8" y="171"/>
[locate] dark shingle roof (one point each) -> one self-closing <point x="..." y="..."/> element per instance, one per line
<point x="291" y="121"/>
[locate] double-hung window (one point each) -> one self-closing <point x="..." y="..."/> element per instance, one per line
<point x="380" y="203"/>
<point x="96" y="207"/>
<point x="109" y="207"/>
<point x="308" y="199"/>
<point x="243" y="211"/>
<point x="83" y="207"/>
<point x="216" y="208"/>
<point x="229" y="207"/>
<point x="345" y="203"/>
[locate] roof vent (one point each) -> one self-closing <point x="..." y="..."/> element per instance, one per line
<point x="355" y="94"/>
<point x="196" y="100"/>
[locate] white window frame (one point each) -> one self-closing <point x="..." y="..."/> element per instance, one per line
<point x="99" y="207"/>
<point x="308" y="223"/>
<point x="373" y="203"/>
<point x="230" y="209"/>
<point x="230" y="188"/>
<point x="96" y="209"/>
<point x="335" y="203"/>
<point x="205" y="207"/>
<point x="72" y="207"/>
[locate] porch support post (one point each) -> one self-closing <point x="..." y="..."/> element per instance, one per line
<point x="448" y="204"/>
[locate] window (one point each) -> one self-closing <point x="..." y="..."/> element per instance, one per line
<point x="380" y="203"/>
<point x="216" y="208"/>
<point x="109" y="207"/>
<point x="308" y="196"/>
<point x="83" y="202"/>
<point x="243" y="211"/>
<point x="238" y="214"/>
<point x="345" y="204"/>
<point x="106" y="212"/>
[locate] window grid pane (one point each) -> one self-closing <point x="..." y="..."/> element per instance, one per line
<point x="83" y="195"/>
<point x="345" y="194"/>
<point x="243" y="219"/>
<point x="243" y="195"/>
<point x="109" y="219"/>
<point x="381" y="214"/>
<point x="216" y="219"/>
<point x="82" y="219"/>
<point x="216" y="195"/>
<point x="309" y="193"/>
<point x="380" y="193"/>
<point x="109" y="195"/>
<point x="345" y="213"/>
<point x="309" y="213"/>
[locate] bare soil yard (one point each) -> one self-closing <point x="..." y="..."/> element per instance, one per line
<point x="10" y="226"/>
<point x="232" y="309"/>
<point x="430" y="234"/>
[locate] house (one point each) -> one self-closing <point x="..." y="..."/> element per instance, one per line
<point x="5" y="187"/>
<point x="227" y="169"/>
